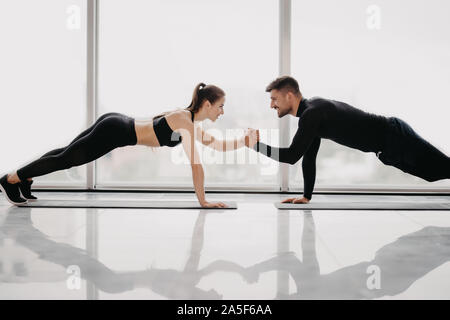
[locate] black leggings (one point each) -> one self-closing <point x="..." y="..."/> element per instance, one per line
<point x="110" y="131"/>
<point x="409" y="152"/>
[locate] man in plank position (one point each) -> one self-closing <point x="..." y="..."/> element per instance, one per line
<point x="393" y="141"/>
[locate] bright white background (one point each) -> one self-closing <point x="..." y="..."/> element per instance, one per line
<point x="391" y="59"/>
<point x="150" y="60"/>
<point x="400" y="69"/>
<point x="42" y="82"/>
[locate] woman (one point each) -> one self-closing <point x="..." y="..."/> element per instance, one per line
<point x="114" y="130"/>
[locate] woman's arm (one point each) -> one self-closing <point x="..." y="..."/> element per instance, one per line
<point x="198" y="176"/>
<point x="249" y="139"/>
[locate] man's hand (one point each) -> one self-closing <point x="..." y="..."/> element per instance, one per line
<point x="296" y="200"/>
<point x="251" y="137"/>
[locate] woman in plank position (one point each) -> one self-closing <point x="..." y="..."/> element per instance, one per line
<point x="113" y="130"/>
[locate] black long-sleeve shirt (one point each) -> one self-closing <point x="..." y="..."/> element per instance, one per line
<point x="328" y="119"/>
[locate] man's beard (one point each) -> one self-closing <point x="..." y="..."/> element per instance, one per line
<point x="281" y="113"/>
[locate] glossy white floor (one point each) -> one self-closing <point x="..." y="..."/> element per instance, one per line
<point x="254" y="252"/>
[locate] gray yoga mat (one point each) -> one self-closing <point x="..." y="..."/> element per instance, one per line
<point x="412" y="205"/>
<point x="144" y="204"/>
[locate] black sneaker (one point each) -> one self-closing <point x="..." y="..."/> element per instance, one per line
<point x="25" y="190"/>
<point x="11" y="191"/>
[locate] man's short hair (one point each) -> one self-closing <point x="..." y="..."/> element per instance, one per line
<point x="285" y="83"/>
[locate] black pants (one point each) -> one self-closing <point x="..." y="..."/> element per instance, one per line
<point x="409" y="152"/>
<point x="110" y="131"/>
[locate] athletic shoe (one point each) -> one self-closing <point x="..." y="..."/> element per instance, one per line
<point x="11" y="191"/>
<point x="25" y="190"/>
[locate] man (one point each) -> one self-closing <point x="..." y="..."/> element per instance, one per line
<point x="393" y="141"/>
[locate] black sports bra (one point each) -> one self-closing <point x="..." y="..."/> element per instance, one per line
<point x="165" y="135"/>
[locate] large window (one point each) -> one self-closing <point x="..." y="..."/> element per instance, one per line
<point x="151" y="56"/>
<point x="385" y="57"/>
<point x="42" y="82"/>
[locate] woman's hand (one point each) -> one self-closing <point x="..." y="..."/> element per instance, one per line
<point x="296" y="200"/>
<point x="207" y="204"/>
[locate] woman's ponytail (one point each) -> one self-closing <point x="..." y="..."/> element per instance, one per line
<point x="196" y="99"/>
<point x="201" y="92"/>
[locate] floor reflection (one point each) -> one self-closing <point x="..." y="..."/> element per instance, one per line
<point x="170" y="283"/>
<point x="395" y="267"/>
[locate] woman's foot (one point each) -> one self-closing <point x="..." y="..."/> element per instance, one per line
<point x="25" y="190"/>
<point x="11" y="191"/>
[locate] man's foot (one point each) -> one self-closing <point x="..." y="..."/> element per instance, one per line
<point x="11" y="191"/>
<point x="25" y="190"/>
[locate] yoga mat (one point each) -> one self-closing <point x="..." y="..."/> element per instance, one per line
<point x="144" y="204"/>
<point x="412" y="205"/>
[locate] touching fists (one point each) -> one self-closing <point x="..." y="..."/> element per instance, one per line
<point x="251" y="137"/>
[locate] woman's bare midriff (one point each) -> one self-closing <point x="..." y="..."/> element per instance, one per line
<point x="145" y="133"/>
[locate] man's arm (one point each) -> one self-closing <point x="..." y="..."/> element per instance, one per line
<point x="306" y="133"/>
<point x="309" y="168"/>
<point x="309" y="173"/>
